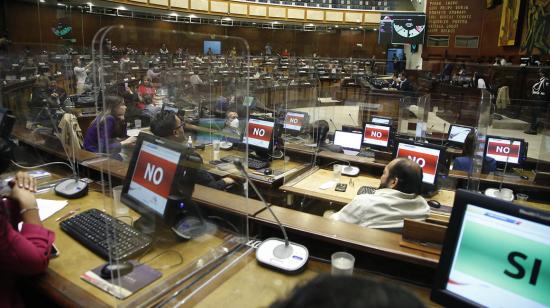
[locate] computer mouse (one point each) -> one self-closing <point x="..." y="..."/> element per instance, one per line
<point x="268" y="171"/>
<point x="435" y="204"/>
<point x="524" y="177"/>
<point x="114" y="270"/>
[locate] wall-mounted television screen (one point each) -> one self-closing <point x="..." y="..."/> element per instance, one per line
<point x="402" y="28"/>
<point x="215" y="46"/>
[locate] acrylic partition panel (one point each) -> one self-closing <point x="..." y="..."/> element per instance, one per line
<point x="36" y="82"/>
<point x="170" y="125"/>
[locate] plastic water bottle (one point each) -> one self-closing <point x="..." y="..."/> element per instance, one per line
<point x="190" y="142"/>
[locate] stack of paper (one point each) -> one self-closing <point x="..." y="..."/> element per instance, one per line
<point x="47" y="208"/>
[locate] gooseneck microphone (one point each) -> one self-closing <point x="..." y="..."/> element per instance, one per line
<point x="273" y="252"/>
<point x="335" y="128"/>
<point x="352" y="120"/>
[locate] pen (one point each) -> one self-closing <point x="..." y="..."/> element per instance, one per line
<point x="69" y="214"/>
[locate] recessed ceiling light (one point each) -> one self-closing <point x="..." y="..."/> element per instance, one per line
<point x="122" y="8"/>
<point x="90" y="4"/>
<point x="173" y="14"/>
<point x="227" y="18"/>
<point x="192" y="16"/>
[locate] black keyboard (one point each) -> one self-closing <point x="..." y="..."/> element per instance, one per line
<point x="368" y="154"/>
<point x="255" y="164"/>
<point x="105" y="235"/>
<point x="366" y="190"/>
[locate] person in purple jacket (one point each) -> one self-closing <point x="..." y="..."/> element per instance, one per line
<point x="111" y="135"/>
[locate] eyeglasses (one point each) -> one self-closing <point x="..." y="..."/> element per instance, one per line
<point x="180" y="126"/>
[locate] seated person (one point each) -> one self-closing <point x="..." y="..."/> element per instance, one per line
<point x="326" y="291"/>
<point x="22" y="253"/>
<point x="464" y="163"/>
<point x="57" y="94"/>
<point x="231" y="125"/>
<point x="150" y="110"/>
<point x="42" y="97"/>
<point x="111" y="136"/>
<point x="146" y="88"/>
<point x="404" y="83"/>
<point x="397" y="197"/>
<point x="169" y="125"/>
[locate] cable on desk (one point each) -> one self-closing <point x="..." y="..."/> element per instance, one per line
<point x="164" y="267"/>
<point x="42" y="165"/>
<point x="226" y="221"/>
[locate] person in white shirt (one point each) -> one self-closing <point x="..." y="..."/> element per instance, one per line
<point x="398" y="197"/>
<point x="81" y="73"/>
<point x="151" y="73"/>
<point x="195" y="80"/>
<point x="479" y="82"/>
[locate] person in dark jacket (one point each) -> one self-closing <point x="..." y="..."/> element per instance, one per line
<point x="465" y="162"/>
<point x="169" y="125"/>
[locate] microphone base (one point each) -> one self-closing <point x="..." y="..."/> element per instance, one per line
<point x="350" y="170"/>
<point x="71" y="189"/>
<point x="273" y="253"/>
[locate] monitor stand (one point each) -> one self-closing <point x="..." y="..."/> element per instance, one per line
<point x="191" y="227"/>
<point x="153" y="227"/>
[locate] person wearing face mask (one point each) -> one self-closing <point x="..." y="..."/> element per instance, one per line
<point x="168" y="125"/>
<point x="107" y="133"/>
<point x="397" y="197"/>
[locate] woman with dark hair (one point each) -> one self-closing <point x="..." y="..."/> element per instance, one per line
<point x="107" y="133"/>
<point x="464" y="163"/>
<point x="25" y="252"/>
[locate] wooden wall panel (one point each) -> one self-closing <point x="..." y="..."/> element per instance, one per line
<point x="257" y="10"/>
<point x="184" y="4"/>
<point x="149" y="35"/>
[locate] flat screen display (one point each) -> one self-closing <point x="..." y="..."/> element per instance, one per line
<point x="259" y="133"/>
<point x="348" y="140"/>
<point x="379" y="120"/>
<point x="402" y="28"/>
<point x="215" y="46"/>
<point x="426" y="157"/>
<point x="503" y="150"/>
<point x="377" y="135"/>
<point x="294" y="121"/>
<point x="501" y="260"/>
<point x="153" y="176"/>
<point x="457" y="133"/>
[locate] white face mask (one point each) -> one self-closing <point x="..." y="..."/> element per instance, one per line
<point x="234" y="123"/>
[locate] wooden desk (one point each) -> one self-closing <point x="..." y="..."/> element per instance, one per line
<point x="371" y="241"/>
<point x="250" y="285"/>
<point x="238" y="282"/>
<point x="75" y="259"/>
<point x="308" y="185"/>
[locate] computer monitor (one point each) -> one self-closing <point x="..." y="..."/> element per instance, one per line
<point x="349" y="141"/>
<point x="381" y="120"/>
<point x="156" y="166"/>
<point x="259" y="135"/>
<point x="428" y="156"/>
<point x="377" y="136"/>
<point x="504" y="149"/>
<point x="457" y="134"/>
<point x="295" y="122"/>
<point x="495" y="254"/>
